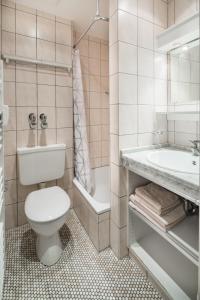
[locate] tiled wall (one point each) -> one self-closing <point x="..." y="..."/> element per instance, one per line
<point x="138" y="87"/>
<point x="94" y="65"/>
<point x="181" y="132"/>
<point x="30" y="88"/>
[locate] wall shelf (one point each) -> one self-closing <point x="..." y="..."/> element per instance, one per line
<point x="184" y="236"/>
<point x="9" y="58"/>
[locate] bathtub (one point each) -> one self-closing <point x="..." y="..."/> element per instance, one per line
<point x="94" y="211"/>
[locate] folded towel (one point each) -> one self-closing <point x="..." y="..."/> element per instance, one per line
<point x="165" y="222"/>
<point x="160" y="200"/>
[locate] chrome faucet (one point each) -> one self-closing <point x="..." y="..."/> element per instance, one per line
<point x="32" y="121"/>
<point x="196" y="147"/>
<point x="43" y="119"/>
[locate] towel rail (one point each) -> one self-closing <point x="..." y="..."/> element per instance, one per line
<point x="8" y="58"/>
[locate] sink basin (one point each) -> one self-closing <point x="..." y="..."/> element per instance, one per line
<point x="177" y="161"/>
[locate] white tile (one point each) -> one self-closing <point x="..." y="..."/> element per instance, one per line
<point x="145" y="34"/>
<point x="145" y="9"/>
<point x="127" y="119"/>
<point x="125" y="22"/>
<point x="127" y="58"/>
<point x="127" y="89"/>
<point x="113" y="34"/>
<point x="128" y="5"/>
<point x="113" y="61"/>
<point x="161" y="66"/>
<point x="146" y="118"/>
<point x="145" y="90"/>
<point x="145" y="62"/>
<point x="113" y="4"/>
<point x="160" y="92"/>
<point x="127" y="141"/>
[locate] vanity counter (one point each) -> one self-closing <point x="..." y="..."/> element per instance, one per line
<point x="186" y="184"/>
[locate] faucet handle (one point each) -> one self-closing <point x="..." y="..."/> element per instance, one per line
<point x="196" y="143"/>
<point x="32" y="120"/>
<point x="43" y="119"/>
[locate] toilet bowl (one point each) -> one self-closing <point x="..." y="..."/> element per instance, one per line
<point x="47" y="208"/>
<point x="46" y="211"/>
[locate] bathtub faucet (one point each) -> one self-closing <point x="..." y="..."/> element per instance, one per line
<point x="196" y="147"/>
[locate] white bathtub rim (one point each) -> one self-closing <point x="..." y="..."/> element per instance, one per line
<point x="98" y="207"/>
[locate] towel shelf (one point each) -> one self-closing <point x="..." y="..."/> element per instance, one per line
<point x="184" y="236"/>
<point x="9" y="58"/>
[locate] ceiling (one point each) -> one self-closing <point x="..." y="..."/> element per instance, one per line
<point x="80" y="12"/>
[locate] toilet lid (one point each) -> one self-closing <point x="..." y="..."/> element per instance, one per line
<point x="47" y="204"/>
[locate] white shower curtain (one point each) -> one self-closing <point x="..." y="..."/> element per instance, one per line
<point x="83" y="170"/>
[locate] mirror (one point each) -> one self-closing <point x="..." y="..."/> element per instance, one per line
<point x="184" y="78"/>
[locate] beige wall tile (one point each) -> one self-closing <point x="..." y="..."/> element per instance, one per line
<point x="104" y="234"/>
<point x="24" y="190"/>
<point x="8" y="3"/>
<point x="45" y="29"/>
<point x="46" y="95"/>
<point x="26" y="94"/>
<point x="8" y="19"/>
<point x="46" y="75"/>
<point x="46" y="15"/>
<point x="65" y="135"/>
<point x="26" y="8"/>
<point x="63" y="34"/>
<point x="25" y="76"/>
<point x="94" y="66"/>
<point x="94" y="50"/>
<point x="64" y="117"/>
<point x="10" y="167"/>
<point x="21" y="217"/>
<point x="63" y="78"/>
<point x="12" y="119"/>
<point x="26" y="138"/>
<point x="25" y="23"/>
<point x="10" y="192"/>
<point x="45" y="50"/>
<point x="50" y="112"/>
<point x="63" y="96"/>
<point x="46" y="137"/>
<point x="25" y="46"/>
<point x="22" y="117"/>
<point x="9" y="93"/>
<point x="11" y="216"/>
<point x="10" y="142"/>
<point x="69" y="158"/>
<point x="63" y="54"/>
<point x="9" y="72"/>
<point x="8" y="43"/>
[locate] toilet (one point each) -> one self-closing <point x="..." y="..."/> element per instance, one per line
<point x="47" y="208"/>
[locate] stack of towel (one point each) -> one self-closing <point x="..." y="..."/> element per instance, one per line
<point x="160" y="206"/>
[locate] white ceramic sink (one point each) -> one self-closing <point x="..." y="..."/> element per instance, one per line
<point x="177" y="161"/>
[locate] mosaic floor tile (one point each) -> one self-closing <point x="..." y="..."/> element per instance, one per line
<point x="81" y="273"/>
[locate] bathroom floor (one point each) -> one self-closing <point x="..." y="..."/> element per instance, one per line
<point x="81" y="273"/>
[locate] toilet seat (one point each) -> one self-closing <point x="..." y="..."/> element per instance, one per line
<point x="47" y="204"/>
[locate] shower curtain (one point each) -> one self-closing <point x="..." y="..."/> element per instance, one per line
<point x="83" y="170"/>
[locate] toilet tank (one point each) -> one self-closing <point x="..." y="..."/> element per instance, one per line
<point x="41" y="163"/>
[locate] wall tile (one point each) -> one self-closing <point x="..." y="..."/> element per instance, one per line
<point x="145" y="34"/>
<point x="64" y="117"/>
<point x="46" y="95"/>
<point x="11" y="216"/>
<point x="9" y="93"/>
<point x="26" y="94"/>
<point x="63" y="34"/>
<point x="25" y="23"/>
<point x="8" y="19"/>
<point x="45" y="50"/>
<point x="10" y="167"/>
<point x="25" y="46"/>
<point x="11" y="192"/>
<point x="129" y="6"/>
<point x="145" y="62"/>
<point x="145" y="90"/>
<point x="8" y="43"/>
<point x="145" y="9"/>
<point x="63" y="54"/>
<point x="10" y="142"/>
<point x="46" y="29"/>
<point x="125" y="22"/>
<point x="127" y="58"/>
